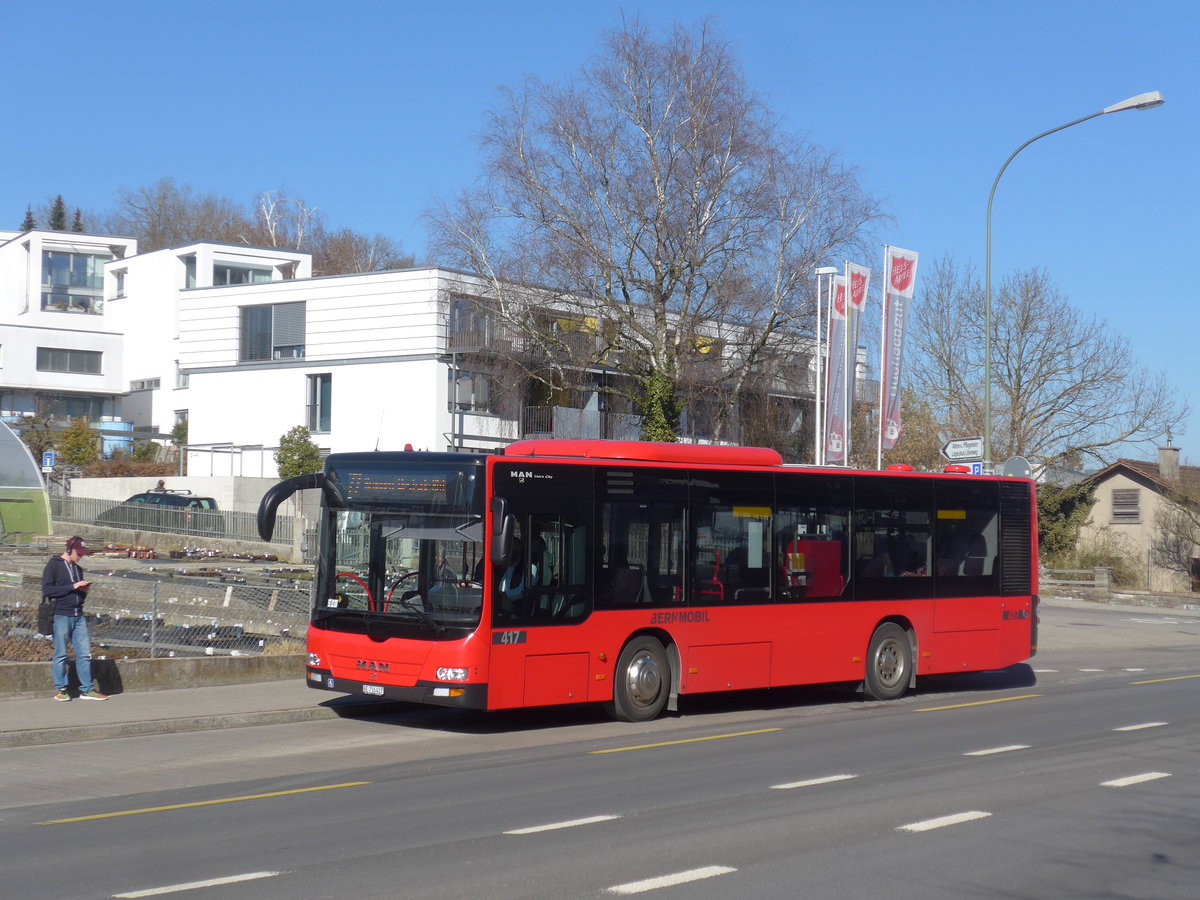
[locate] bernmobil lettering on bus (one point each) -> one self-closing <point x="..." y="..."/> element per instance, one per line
<point x="628" y="573"/>
<point x="670" y="618"/>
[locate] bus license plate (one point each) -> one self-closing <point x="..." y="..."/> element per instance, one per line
<point x="373" y="689"/>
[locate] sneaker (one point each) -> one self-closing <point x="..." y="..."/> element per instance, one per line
<point x="93" y="694"/>
<point x="62" y="696"/>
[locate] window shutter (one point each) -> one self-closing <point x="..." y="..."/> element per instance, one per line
<point x="287" y="325"/>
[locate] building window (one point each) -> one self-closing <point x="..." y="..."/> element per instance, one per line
<point x="75" y="362"/>
<point x="470" y="392"/>
<point x="1126" y="506"/>
<point x="189" y="271"/>
<point x="272" y="332"/>
<point x="119" y="277"/>
<point x="240" y="275"/>
<point x="73" y="282"/>
<point x="320" y="392"/>
<point x="182" y="379"/>
<point x="145" y="384"/>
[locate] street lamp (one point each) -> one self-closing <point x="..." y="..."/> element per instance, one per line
<point x="1141" y="101"/>
<point x="819" y="430"/>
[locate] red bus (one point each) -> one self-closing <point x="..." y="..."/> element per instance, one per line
<point x="628" y="573"/>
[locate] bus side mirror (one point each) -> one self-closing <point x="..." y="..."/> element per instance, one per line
<point x="503" y="525"/>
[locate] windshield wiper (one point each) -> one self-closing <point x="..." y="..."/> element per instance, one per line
<point x="433" y="623"/>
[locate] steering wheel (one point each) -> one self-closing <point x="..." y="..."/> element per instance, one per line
<point x="395" y="584"/>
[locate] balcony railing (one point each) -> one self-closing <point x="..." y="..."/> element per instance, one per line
<point x="578" y="424"/>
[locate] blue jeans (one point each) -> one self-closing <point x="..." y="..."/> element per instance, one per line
<point x="75" y="630"/>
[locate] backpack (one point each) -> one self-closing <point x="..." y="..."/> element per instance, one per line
<point x="45" y="616"/>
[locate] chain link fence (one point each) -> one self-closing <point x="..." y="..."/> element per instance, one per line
<point x="188" y="612"/>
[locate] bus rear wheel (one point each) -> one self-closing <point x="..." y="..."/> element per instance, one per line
<point x="889" y="663"/>
<point x="641" y="681"/>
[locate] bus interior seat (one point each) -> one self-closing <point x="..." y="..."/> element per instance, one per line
<point x="976" y="559"/>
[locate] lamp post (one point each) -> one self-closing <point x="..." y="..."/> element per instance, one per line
<point x="1141" y="101"/>
<point x="819" y="431"/>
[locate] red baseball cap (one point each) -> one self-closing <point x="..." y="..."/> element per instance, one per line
<point x="77" y="545"/>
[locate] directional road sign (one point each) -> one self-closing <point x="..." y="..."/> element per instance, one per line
<point x="48" y="459"/>
<point x="964" y="448"/>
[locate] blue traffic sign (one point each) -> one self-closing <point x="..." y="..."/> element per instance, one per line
<point x="48" y="459"/>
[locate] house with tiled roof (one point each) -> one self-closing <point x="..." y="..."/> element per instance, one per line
<point x="1128" y="497"/>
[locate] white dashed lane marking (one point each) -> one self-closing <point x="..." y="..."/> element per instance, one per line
<point x="554" y="826"/>
<point x="1135" y="779"/>
<point x="944" y="821"/>
<point x="812" y="782"/>
<point x="195" y="885"/>
<point x="662" y="881"/>
<point x="992" y="750"/>
<point x="1140" y="727"/>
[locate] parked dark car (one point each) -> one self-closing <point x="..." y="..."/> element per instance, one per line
<point x="172" y="512"/>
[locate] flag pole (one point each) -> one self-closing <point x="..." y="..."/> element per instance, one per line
<point x="883" y="351"/>
<point x="847" y="366"/>
<point x="819" y="427"/>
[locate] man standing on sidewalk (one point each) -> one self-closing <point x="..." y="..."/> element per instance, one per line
<point x="62" y="581"/>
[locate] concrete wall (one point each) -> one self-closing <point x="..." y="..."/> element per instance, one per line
<point x="114" y="676"/>
<point x="240" y="494"/>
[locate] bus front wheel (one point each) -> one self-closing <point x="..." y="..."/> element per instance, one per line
<point x="641" y="681"/>
<point x="889" y="663"/>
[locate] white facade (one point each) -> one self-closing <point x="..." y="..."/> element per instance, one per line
<point x="60" y="352"/>
<point x="143" y="298"/>
<point x="374" y="342"/>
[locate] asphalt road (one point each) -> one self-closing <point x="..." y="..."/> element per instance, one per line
<point x="1077" y="775"/>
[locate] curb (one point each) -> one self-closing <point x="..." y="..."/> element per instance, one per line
<point x="109" y="730"/>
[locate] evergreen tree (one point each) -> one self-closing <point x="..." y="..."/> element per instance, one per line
<point x="77" y="224"/>
<point x="78" y="443"/>
<point x="58" y="215"/>
<point x="29" y="223"/>
<point x="297" y="454"/>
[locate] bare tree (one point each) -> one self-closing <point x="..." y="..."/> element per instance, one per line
<point x="345" y="251"/>
<point x="167" y="214"/>
<point x="656" y="196"/>
<point x="1064" y="386"/>
<point x="281" y="220"/>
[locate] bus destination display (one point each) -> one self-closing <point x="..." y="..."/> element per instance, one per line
<point x="423" y="487"/>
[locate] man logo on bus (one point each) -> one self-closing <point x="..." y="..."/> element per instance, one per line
<point x="370" y="665"/>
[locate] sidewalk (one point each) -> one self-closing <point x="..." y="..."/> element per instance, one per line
<point x="45" y="721"/>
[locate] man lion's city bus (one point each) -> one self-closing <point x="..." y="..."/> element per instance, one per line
<point x="629" y="573"/>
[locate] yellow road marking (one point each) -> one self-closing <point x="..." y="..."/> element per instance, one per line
<point x="977" y="703"/>
<point x="1161" y="680"/>
<point x="150" y="809"/>
<point x="714" y="737"/>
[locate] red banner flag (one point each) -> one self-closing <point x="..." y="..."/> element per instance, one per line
<point x="899" y="279"/>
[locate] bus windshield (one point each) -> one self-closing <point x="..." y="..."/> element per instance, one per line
<point x="401" y="574"/>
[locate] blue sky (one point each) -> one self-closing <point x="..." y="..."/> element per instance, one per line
<point x="370" y="110"/>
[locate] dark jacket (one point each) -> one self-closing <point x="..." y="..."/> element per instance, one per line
<point x="58" y="583"/>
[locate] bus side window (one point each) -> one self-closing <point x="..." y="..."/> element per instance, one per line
<point x="967" y="538"/>
<point x="812" y="537"/>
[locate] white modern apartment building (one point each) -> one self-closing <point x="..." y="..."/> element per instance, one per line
<point x="360" y="360"/>
<point x="60" y="353"/>
<point x="144" y="294"/>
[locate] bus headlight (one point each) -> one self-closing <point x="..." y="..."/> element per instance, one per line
<point x="314" y="659"/>
<point x="446" y="673"/>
